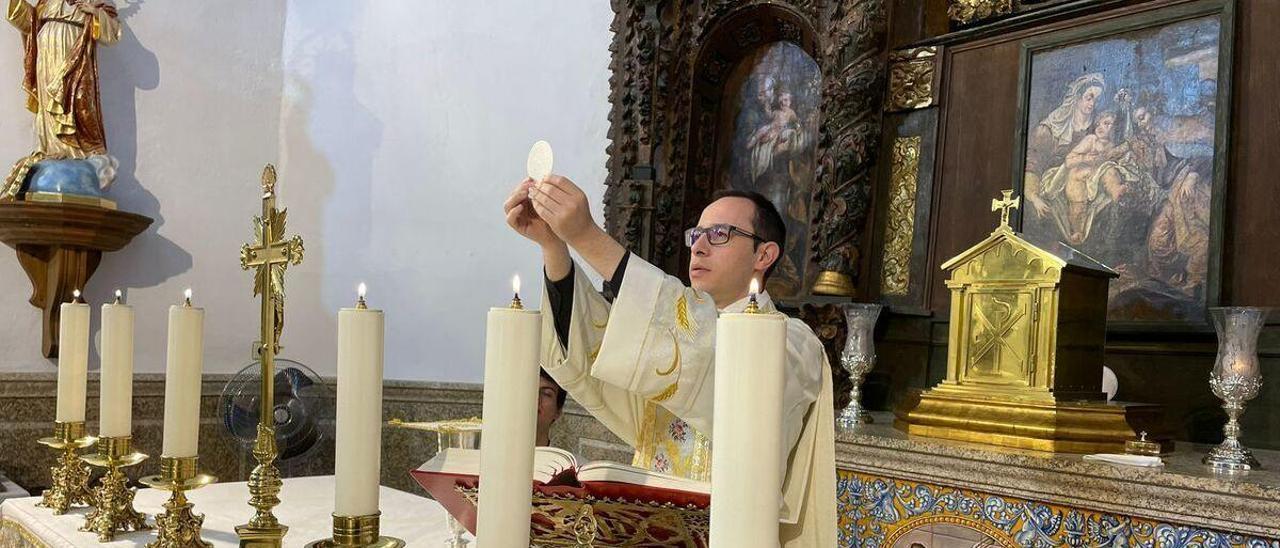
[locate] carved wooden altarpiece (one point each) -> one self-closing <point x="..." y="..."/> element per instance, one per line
<point x="677" y="69"/>
<point x="672" y="61"/>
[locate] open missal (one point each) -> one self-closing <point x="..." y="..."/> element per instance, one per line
<point x="638" y="507"/>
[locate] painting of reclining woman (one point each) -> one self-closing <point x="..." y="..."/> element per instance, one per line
<point x="1121" y="143"/>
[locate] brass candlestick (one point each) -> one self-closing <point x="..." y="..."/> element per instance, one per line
<point x="178" y="526"/>
<point x="362" y="531"/>
<point x="269" y="255"/>
<point x="113" y="500"/>
<point x="70" y="486"/>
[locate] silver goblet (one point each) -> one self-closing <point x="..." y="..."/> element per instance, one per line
<point x="858" y="357"/>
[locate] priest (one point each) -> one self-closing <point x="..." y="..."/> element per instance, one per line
<point x="641" y="358"/>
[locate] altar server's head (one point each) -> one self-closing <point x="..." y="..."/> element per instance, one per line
<point x="739" y="237"/>
<point x="550" y="404"/>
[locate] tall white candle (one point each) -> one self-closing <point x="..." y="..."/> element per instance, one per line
<point x="73" y="359"/>
<point x="746" y="465"/>
<point x="182" y="375"/>
<point x="507" y="434"/>
<point x="116" y="401"/>
<point x="357" y="464"/>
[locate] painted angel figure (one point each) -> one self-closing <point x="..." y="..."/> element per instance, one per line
<point x="60" y="39"/>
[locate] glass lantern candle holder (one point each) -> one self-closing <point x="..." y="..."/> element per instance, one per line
<point x="1236" y="379"/>
<point x="858" y="357"/>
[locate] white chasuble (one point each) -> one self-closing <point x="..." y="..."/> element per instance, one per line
<point x="644" y="367"/>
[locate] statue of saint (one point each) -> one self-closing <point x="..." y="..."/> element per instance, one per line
<point x="60" y="38"/>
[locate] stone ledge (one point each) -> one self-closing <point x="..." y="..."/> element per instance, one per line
<point x="1183" y="491"/>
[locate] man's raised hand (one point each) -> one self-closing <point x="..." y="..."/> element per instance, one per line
<point x="564" y="207"/>
<point x="522" y="218"/>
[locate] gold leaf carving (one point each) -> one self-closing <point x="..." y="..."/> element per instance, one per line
<point x="911" y="78"/>
<point x="969" y="11"/>
<point x="900" y="228"/>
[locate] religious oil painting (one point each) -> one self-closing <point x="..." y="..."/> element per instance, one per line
<point x="769" y="131"/>
<point x="1123" y="156"/>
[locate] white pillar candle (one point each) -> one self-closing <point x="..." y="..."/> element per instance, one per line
<point x="116" y="401"/>
<point x="357" y="464"/>
<point x="182" y="375"/>
<point x="507" y="435"/>
<point x="73" y="359"/>
<point x="746" y="465"/>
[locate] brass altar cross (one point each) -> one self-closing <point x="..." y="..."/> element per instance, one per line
<point x="270" y="254"/>
<point x="1004" y="205"/>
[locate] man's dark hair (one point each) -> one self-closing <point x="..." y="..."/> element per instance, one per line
<point x="560" y="393"/>
<point x="767" y="224"/>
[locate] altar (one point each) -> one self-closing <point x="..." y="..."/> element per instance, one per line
<point x="900" y="489"/>
<point x="308" y="503"/>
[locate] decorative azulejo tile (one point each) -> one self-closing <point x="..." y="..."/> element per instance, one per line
<point x="878" y="512"/>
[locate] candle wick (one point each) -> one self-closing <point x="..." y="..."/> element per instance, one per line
<point x="360" y="304"/>
<point x="515" y="302"/>
<point x="753" y="307"/>
<point x="187" y="302"/>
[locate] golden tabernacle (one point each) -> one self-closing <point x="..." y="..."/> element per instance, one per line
<point x="1024" y="354"/>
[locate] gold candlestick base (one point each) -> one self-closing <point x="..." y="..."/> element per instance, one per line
<point x="362" y="531"/>
<point x="70" y="485"/>
<point x="113" y="500"/>
<point x="178" y="526"/>
<point x="263" y="529"/>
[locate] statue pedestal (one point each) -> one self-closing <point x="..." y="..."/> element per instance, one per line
<point x="59" y="246"/>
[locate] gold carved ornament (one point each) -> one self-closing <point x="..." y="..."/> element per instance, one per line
<point x="911" y="78"/>
<point x="969" y="11"/>
<point x="895" y="275"/>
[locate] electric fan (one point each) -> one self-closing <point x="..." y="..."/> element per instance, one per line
<point x="303" y="411"/>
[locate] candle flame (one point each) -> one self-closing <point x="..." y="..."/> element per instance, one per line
<point x="119" y="294"/>
<point x="361" y="290"/>
<point x="75" y="294"/>
<point x="755" y="287"/>
<point x="515" y="284"/>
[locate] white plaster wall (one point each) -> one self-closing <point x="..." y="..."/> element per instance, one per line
<point x="191" y="96"/>
<point x="407" y="123"/>
<point x="398" y="128"/>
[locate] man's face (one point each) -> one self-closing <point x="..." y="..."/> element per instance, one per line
<point x="725" y="271"/>
<point x="1142" y="116"/>
<point x="547" y="410"/>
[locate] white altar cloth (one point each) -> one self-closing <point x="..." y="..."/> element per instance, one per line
<point x="306" y="507"/>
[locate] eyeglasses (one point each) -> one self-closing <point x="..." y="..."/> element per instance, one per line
<point x="716" y="234"/>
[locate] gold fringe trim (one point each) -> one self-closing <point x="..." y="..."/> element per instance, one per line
<point x="10" y="528"/>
